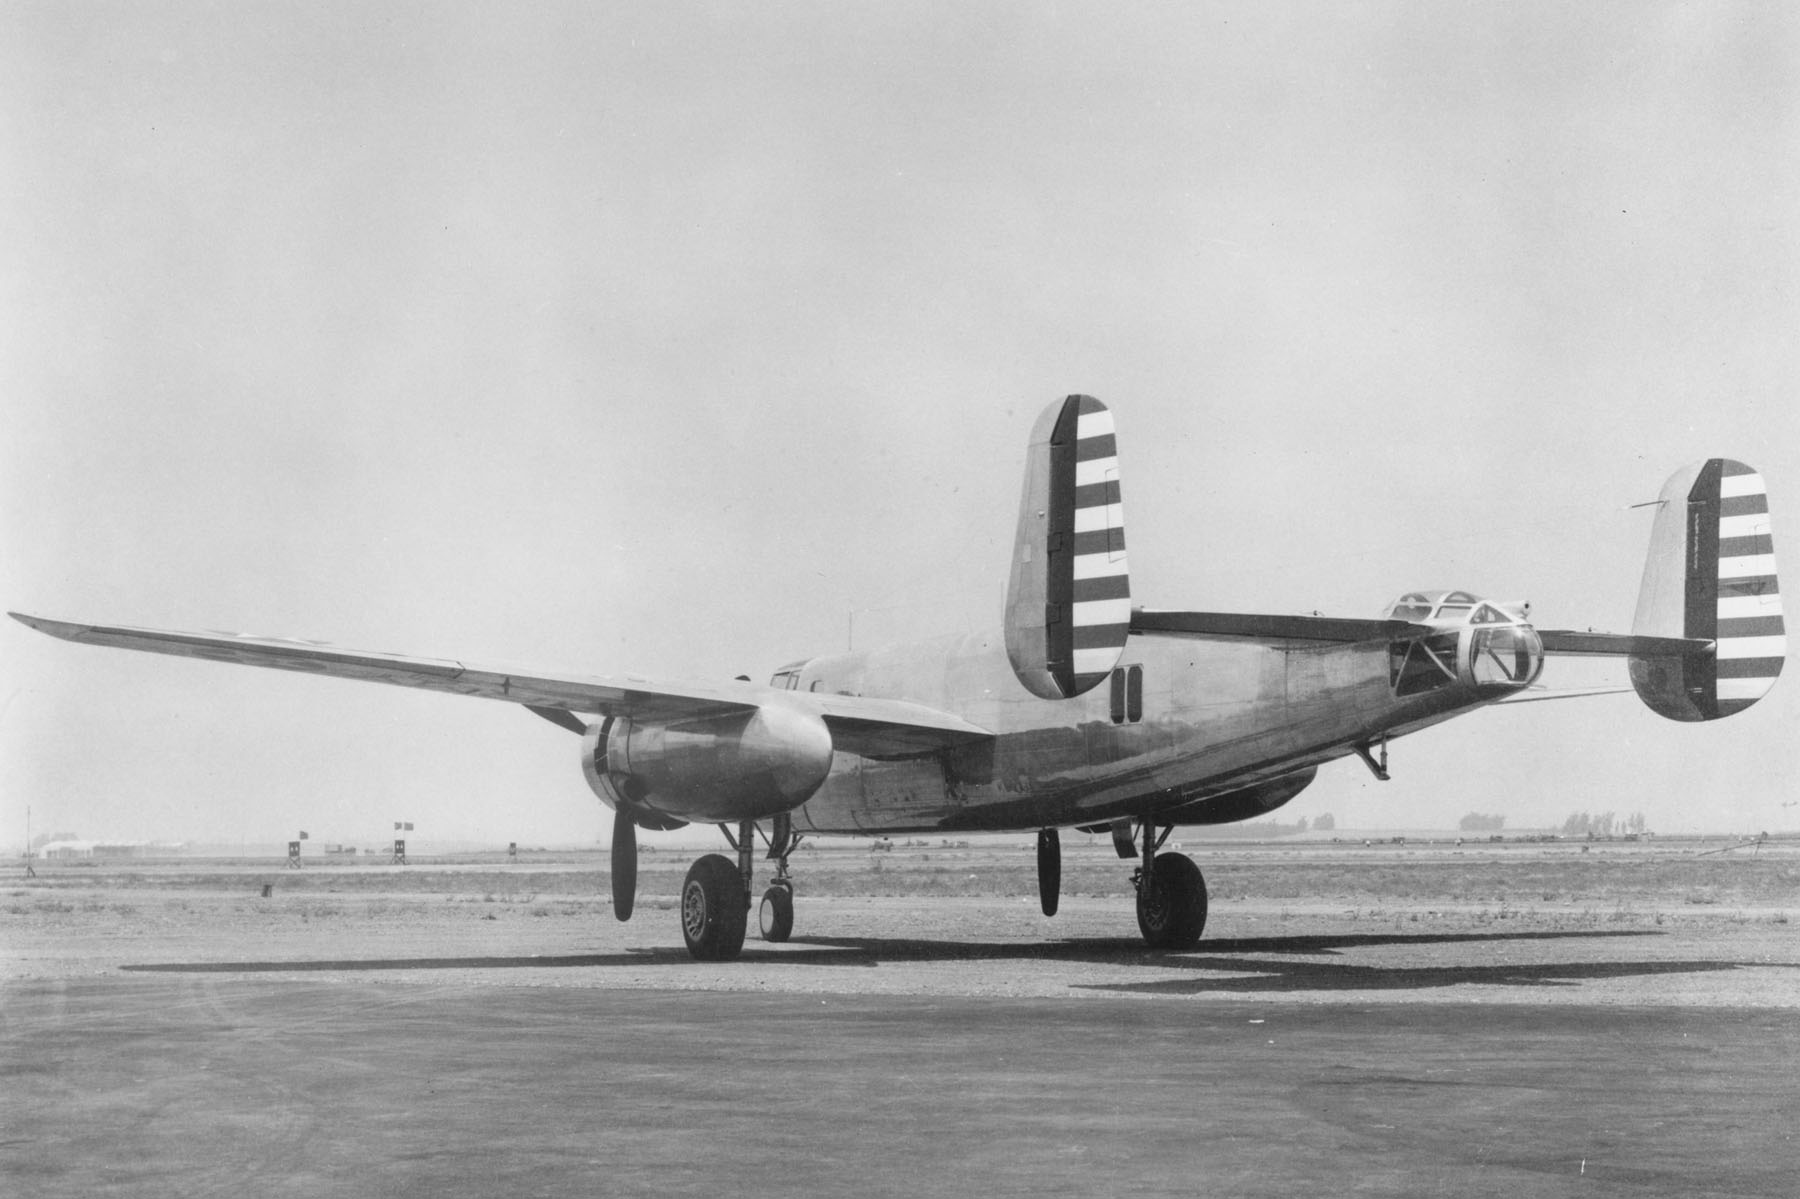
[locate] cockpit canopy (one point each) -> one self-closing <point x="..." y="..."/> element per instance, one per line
<point x="1481" y="643"/>
<point x="1455" y="608"/>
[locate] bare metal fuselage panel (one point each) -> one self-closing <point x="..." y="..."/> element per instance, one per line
<point x="1205" y="719"/>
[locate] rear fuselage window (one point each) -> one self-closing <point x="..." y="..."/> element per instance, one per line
<point x="1128" y="695"/>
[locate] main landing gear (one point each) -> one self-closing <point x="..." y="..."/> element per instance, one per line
<point x="1171" y="894"/>
<point x="715" y="898"/>
<point x="714" y="905"/>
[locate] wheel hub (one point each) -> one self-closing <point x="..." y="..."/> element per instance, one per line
<point x="1156" y="906"/>
<point x="693" y="910"/>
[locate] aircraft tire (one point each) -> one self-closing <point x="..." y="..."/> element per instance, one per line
<point x="713" y="909"/>
<point x="776" y="916"/>
<point x="1172" y="912"/>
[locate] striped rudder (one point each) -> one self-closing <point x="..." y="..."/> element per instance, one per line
<point x="1711" y="575"/>
<point x="1068" y="603"/>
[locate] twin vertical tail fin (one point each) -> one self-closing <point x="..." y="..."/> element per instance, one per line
<point x="1068" y="603"/>
<point x="1711" y="575"/>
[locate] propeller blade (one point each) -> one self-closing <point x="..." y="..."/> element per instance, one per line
<point x="624" y="865"/>
<point x="1049" y="869"/>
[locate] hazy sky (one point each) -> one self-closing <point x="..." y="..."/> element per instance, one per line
<point x="665" y="337"/>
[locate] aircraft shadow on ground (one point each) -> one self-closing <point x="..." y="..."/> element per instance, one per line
<point x="1271" y="964"/>
<point x="647" y="956"/>
<point x="1242" y="966"/>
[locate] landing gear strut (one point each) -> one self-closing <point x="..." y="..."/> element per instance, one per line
<point x="1171" y="895"/>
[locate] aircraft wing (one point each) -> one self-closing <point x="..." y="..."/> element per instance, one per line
<point x="1234" y="626"/>
<point x="868" y="727"/>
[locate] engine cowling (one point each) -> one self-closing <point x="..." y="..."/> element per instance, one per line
<point x="734" y="766"/>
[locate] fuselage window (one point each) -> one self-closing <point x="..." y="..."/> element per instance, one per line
<point x="1415" y="667"/>
<point x="1128" y="695"/>
<point x="1506" y="656"/>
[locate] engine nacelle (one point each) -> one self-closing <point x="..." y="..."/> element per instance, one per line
<point x="735" y="766"/>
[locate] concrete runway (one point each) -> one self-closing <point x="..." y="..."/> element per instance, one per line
<point x="168" y="1031"/>
<point x="205" y="1079"/>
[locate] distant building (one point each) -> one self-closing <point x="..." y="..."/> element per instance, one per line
<point x="104" y="849"/>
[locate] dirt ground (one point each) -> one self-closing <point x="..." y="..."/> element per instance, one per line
<point x="1616" y="923"/>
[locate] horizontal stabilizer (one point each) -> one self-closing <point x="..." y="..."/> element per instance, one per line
<point x="1572" y="642"/>
<point x="1233" y="626"/>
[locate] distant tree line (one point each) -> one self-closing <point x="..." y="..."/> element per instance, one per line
<point x="1477" y="822"/>
<point x="1604" y="824"/>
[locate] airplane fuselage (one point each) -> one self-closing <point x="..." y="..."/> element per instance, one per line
<point x="1188" y="730"/>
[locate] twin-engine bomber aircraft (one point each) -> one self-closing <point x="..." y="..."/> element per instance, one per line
<point x="1085" y="711"/>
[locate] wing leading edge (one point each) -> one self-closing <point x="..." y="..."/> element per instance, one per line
<point x="867" y="727"/>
